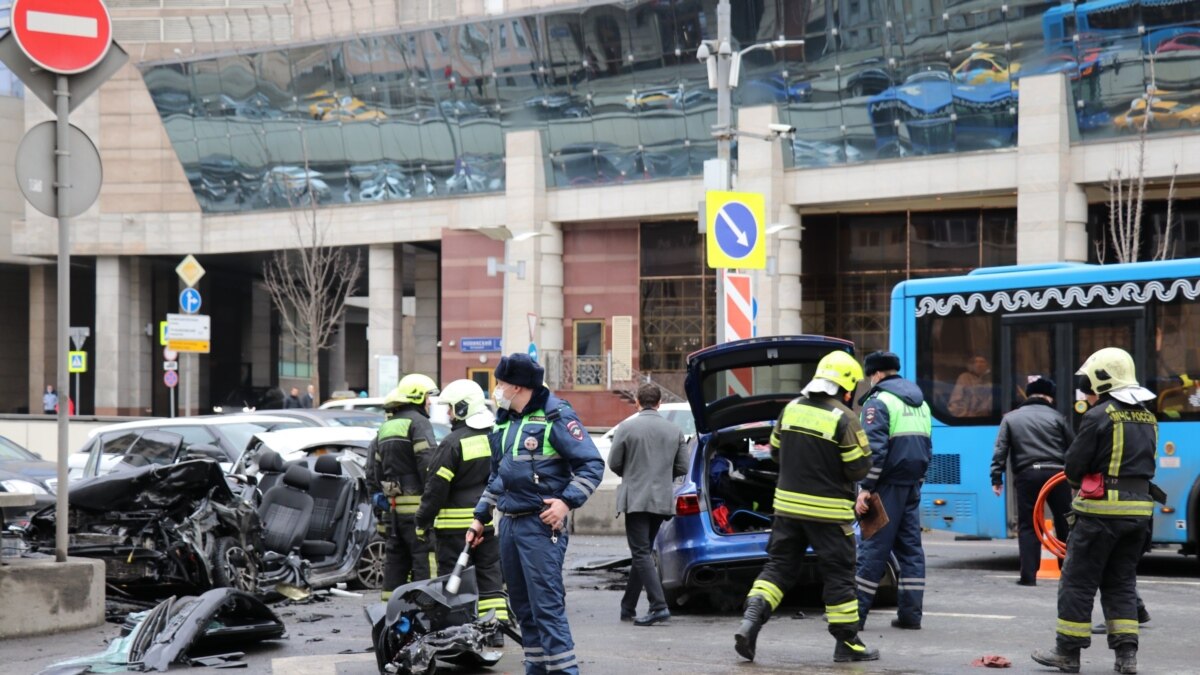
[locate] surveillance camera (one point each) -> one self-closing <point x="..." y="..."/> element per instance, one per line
<point x="703" y="52"/>
<point x="782" y="129"/>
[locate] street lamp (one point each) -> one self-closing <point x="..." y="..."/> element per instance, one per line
<point x="494" y="267"/>
<point x="724" y="70"/>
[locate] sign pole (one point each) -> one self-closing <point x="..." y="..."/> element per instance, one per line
<point x="172" y="404"/>
<point x="62" y="187"/>
<point x="186" y="362"/>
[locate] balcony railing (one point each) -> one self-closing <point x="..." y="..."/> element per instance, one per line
<point x="568" y="372"/>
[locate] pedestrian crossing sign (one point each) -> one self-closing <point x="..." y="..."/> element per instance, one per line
<point x="76" y="362"/>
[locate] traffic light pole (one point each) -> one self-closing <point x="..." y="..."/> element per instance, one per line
<point x="724" y="131"/>
<point x="62" y="186"/>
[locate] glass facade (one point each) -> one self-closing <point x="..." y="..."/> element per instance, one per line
<point x="9" y="84"/>
<point x="618" y="94"/>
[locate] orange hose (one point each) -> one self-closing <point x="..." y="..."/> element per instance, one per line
<point x="1049" y="541"/>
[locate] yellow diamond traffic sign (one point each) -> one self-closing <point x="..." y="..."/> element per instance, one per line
<point x="190" y="270"/>
<point x="76" y="362"/>
<point x="735" y="230"/>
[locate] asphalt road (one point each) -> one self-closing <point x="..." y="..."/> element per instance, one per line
<point x="973" y="607"/>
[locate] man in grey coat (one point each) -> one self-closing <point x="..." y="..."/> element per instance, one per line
<point x="648" y="452"/>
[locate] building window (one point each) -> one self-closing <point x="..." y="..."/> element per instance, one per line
<point x="293" y="355"/>
<point x="678" y="294"/>
<point x="851" y="263"/>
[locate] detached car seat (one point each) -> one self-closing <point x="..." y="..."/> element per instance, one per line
<point x="331" y="493"/>
<point x="286" y="511"/>
<point x="270" y="470"/>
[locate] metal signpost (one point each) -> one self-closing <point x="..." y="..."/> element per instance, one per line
<point x="188" y="332"/>
<point x="170" y="365"/>
<point x="58" y="49"/>
<point x="77" y="360"/>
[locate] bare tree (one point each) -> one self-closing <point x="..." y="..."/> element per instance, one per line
<point x="310" y="285"/>
<point x="1126" y="196"/>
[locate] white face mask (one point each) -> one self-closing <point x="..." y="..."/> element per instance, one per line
<point x="501" y="402"/>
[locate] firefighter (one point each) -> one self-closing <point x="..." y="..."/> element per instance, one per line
<point x="397" y="464"/>
<point x="457" y="476"/>
<point x="1111" y="463"/>
<point x="822" y="451"/>
<point x="543" y="465"/>
<point x="896" y="419"/>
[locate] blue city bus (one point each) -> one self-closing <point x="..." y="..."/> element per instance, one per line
<point x="972" y="342"/>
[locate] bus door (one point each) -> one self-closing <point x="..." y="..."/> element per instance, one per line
<point x="1055" y="345"/>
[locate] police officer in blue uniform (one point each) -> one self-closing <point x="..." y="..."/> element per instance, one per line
<point x="896" y="419"/>
<point x="543" y="466"/>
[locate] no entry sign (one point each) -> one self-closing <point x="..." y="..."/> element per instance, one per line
<point x="62" y="36"/>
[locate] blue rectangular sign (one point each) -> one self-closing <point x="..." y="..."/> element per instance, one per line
<point x="479" y="344"/>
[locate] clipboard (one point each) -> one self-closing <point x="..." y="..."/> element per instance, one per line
<point x="875" y="519"/>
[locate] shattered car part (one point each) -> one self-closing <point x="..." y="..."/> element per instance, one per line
<point x="175" y="527"/>
<point x="180" y="630"/>
<point x="422" y="624"/>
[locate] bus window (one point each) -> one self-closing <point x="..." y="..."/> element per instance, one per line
<point x="1177" y="360"/>
<point x="955" y="367"/>
<point x="1032" y="357"/>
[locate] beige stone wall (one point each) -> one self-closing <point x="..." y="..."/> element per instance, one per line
<point x="12" y="128"/>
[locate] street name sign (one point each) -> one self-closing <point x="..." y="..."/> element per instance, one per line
<point x="188" y="333"/>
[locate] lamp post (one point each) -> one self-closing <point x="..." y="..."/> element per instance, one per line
<point x="724" y="71"/>
<point x="504" y="267"/>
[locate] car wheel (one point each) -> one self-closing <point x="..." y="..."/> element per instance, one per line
<point x="233" y="566"/>
<point x="370" y="565"/>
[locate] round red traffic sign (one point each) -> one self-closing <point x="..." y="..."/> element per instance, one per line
<point x="169" y="354"/>
<point x="171" y="378"/>
<point x="62" y="36"/>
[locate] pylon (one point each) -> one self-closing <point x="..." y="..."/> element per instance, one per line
<point x="1048" y="565"/>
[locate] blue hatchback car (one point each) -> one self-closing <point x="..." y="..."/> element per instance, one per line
<point x="716" y="544"/>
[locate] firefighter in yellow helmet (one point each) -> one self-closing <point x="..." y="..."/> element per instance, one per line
<point x="458" y="475"/>
<point x="397" y="465"/>
<point x="1111" y="464"/>
<point x="822" y="451"/>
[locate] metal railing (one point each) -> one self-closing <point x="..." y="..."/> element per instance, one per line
<point x="567" y="372"/>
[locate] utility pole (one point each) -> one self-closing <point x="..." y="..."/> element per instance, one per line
<point x="62" y="109"/>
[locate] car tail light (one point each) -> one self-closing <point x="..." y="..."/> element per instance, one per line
<point x="687" y="505"/>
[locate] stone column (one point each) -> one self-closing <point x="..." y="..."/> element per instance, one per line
<point x="426" y="322"/>
<point x="337" y="361"/>
<point x="1051" y="210"/>
<point x="43" y="332"/>
<point x="760" y="169"/>
<point x="540" y="292"/>
<point x="256" y="339"/>
<point x="385" y="279"/>
<point x="120" y="349"/>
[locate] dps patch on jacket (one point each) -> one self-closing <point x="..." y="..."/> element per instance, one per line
<point x="870" y="415"/>
<point x="576" y="430"/>
<point x="531" y="443"/>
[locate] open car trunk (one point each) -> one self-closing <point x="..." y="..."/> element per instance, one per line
<point x="741" y="478"/>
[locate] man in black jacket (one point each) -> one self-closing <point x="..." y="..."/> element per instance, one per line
<point x="1111" y="462"/>
<point x="1034" y="437"/>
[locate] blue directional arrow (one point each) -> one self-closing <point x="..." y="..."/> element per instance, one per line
<point x="736" y="230"/>
<point x="189" y="300"/>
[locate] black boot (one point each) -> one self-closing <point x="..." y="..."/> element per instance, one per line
<point x="1066" y="660"/>
<point x="1126" y="659"/>
<point x="854" y="650"/>
<point x="758" y="611"/>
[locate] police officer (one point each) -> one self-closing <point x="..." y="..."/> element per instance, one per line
<point x="457" y="476"/>
<point x="1111" y="463"/>
<point x="543" y="465"/>
<point x="397" y="464"/>
<point x="822" y="451"/>
<point x="896" y="420"/>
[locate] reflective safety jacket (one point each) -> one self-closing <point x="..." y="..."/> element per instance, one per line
<point x="457" y="476"/>
<point x="896" y="419"/>
<point x="1118" y="440"/>
<point x="821" y="451"/>
<point x="398" y="459"/>
<point x="543" y="452"/>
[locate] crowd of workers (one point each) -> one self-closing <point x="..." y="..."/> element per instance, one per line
<point x="534" y="462"/>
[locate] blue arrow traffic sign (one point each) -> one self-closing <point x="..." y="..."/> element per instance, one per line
<point x="533" y="351"/>
<point x="189" y="300"/>
<point x="736" y="230"/>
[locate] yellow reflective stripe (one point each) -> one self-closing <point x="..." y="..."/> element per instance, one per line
<point x="1113" y="507"/>
<point x="454" y="519"/>
<point x="775" y="438"/>
<point x="1122" y="626"/>
<point x="385" y="595"/>
<point x="420" y="446"/>
<point x="397" y="426"/>
<point x="381" y="528"/>
<point x="492" y="603"/>
<point x="852" y="454"/>
<point x="813" y="499"/>
<point x="806" y="418"/>
<point x="446" y="473"/>
<point x="820" y="508"/>
<point x="1118" y="449"/>
<point x="1074" y="628"/>
<point x="847" y="612"/>
<point x="476" y="447"/>
<point x="769" y="591"/>
<point x="406" y="499"/>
